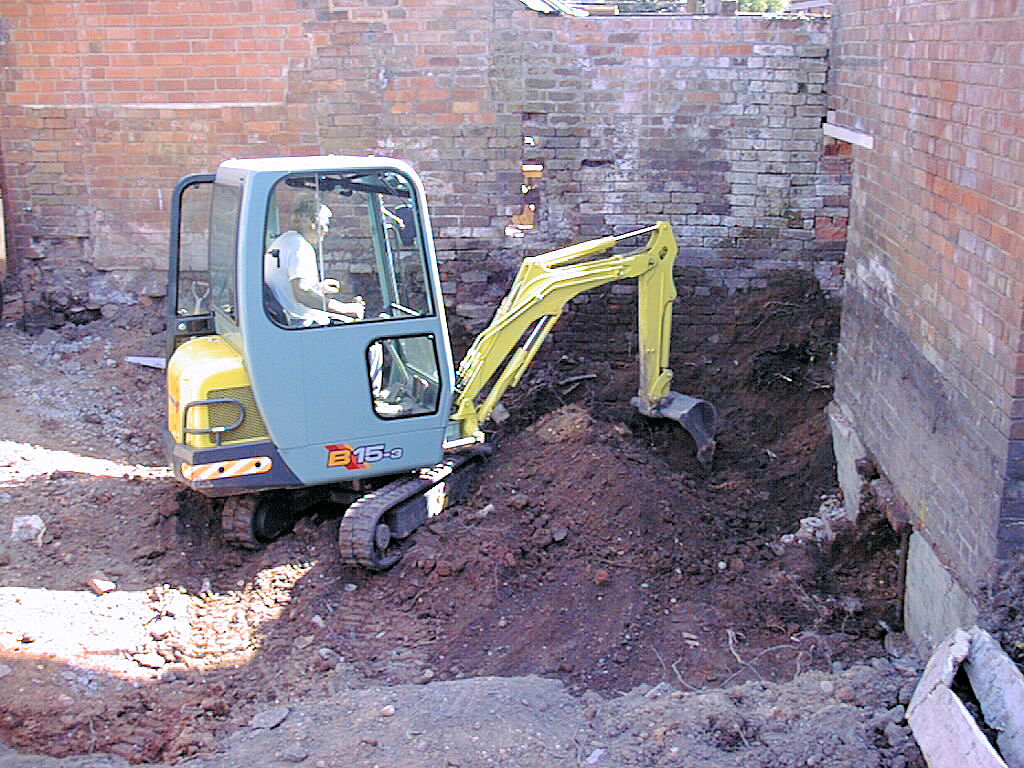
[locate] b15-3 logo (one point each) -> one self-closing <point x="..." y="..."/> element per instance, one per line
<point x="344" y="455"/>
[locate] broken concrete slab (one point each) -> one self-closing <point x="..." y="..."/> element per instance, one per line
<point x="999" y="687"/>
<point x="947" y="733"/>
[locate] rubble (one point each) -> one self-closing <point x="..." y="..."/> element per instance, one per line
<point x="100" y="584"/>
<point x="28" y="528"/>
<point x="269" y="718"/>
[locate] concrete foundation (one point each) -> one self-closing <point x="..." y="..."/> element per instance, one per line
<point x="935" y="605"/>
<point x="848" y="450"/>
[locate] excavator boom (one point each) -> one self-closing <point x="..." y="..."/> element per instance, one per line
<point x="504" y="350"/>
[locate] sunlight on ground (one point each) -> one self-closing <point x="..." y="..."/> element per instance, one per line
<point x="140" y="635"/>
<point x="22" y="461"/>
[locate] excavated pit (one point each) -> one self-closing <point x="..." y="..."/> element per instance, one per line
<point x="594" y="548"/>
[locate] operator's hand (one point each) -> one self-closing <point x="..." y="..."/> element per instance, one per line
<point x="330" y="285"/>
<point x="356" y="308"/>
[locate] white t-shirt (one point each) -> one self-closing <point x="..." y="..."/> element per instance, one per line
<point x="295" y="258"/>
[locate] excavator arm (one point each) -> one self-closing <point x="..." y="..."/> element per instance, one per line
<point x="502" y="353"/>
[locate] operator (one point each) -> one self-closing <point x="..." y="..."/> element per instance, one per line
<point x="292" y="275"/>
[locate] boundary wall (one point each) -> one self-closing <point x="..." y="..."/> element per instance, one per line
<point x="930" y="376"/>
<point x="711" y="122"/>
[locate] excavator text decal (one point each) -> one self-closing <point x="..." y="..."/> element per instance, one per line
<point x="344" y="455"/>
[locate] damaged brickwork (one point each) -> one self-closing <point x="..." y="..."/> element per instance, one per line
<point x="712" y="123"/>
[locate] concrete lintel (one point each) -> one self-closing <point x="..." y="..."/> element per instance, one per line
<point x="848" y="450"/>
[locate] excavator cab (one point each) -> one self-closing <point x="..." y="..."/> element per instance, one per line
<point x="308" y="344"/>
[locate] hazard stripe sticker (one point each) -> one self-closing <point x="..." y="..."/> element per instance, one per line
<point x="224" y="469"/>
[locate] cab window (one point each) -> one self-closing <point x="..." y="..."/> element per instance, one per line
<point x="224" y="212"/>
<point x="193" y="277"/>
<point x="344" y="248"/>
<point x="404" y="376"/>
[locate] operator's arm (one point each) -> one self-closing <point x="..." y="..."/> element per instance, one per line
<point x="356" y="309"/>
<point x="313" y="294"/>
<point x="308" y="289"/>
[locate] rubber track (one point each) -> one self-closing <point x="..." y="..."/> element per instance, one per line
<point x="236" y="521"/>
<point x="356" y="531"/>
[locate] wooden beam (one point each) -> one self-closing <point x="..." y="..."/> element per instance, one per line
<point x="3" y="239"/>
<point x="848" y="135"/>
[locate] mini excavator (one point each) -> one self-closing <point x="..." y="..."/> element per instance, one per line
<point x="344" y="392"/>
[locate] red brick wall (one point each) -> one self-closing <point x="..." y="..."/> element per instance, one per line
<point x="125" y="52"/>
<point x="930" y="360"/>
<point x="105" y="104"/>
<point x="713" y="123"/>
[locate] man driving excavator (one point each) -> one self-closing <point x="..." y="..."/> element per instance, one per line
<point x="292" y="273"/>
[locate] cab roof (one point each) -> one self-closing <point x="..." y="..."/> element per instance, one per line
<point x="313" y="163"/>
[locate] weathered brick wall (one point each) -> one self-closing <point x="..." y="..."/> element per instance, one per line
<point x="930" y="359"/>
<point x="106" y="104"/>
<point x="713" y="123"/>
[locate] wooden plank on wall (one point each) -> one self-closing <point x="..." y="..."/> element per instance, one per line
<point x="849" y="135"/>
<point x="3" y="238"/>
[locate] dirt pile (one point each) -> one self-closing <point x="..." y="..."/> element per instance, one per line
<point x="591" y="559"/>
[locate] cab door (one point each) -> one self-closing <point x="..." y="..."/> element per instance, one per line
<point x="361" y="385"/>
<point x="188" y="277"/>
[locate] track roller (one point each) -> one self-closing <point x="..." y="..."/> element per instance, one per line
<point x="253" y="519"/>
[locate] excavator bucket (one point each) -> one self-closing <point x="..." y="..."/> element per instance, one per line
<point x="696" y="416"/>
